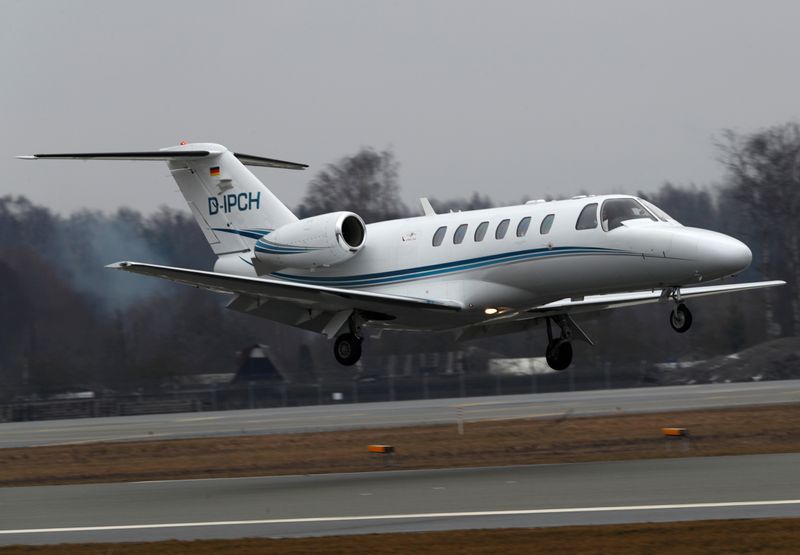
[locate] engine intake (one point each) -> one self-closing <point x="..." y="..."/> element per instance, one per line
<point x="319" y="241"/>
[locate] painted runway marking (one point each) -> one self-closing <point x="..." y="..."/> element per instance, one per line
<point x="149" y="435"/>
<point x="405" y="516"/>
<point x="199" y="419"/>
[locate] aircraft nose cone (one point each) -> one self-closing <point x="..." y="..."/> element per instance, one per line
<point x="741" y="256"/>
<point x="723" y="255"/>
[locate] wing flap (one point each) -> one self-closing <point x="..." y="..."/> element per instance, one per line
<point x="325" y="298"/>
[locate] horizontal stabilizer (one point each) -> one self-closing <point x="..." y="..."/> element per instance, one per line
<point x="250" y="160"/>
<point x="166" y="155"/>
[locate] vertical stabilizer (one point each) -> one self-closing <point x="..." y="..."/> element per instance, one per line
<point x="232" y="207"/>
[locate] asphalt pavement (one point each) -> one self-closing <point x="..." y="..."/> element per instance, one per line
<point x="747" y="486"/>
<point x="400" y="413"/>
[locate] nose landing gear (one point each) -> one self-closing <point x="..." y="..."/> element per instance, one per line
<point x="680" y="318"/>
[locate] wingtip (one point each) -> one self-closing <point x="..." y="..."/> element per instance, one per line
<point x="119" y="265"/>
<point x="26" y="157"/>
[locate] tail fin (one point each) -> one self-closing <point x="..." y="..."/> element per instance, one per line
<point x="232" y="207"/>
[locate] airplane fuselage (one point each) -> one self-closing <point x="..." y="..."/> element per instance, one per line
<point x="521" y="268"/>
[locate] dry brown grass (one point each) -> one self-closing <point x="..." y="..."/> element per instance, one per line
<point x="770" y="429"/>
<point x="687" y="538"/>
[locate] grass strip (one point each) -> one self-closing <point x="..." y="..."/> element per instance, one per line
<point x="750" y="430"/>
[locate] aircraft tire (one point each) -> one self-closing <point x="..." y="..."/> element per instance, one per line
<point x="347" y="349"/>
<point x="681" y="318"/>
<point x="559" y="354"/>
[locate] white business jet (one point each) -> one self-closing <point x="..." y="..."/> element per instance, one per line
<point x="478" y="273"/>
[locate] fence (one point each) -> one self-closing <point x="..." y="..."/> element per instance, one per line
<point x="279" y="394"/>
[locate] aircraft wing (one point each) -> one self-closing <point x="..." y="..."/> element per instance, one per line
<point x="517" y="320"/>
<point x="306" y="297"/>
<point x="593" y="303"/>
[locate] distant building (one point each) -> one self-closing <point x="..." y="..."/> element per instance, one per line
<point x="528" y="366"/>
<point x="256" y="364"/>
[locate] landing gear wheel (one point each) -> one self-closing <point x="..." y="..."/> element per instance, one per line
<point x="681" y="318"/>
<point x="347" y="349"/>
<point x="559" y="354"/>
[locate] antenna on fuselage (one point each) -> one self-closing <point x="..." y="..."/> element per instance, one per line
<point x="427" y="209"/>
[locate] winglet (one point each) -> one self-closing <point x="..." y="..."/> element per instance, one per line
<point x="427" y="209"/>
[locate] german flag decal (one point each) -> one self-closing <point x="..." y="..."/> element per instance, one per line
<point x="215" y="171"/>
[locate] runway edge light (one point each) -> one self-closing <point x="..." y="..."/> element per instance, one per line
<point x="674" y="432"/>
<point x="385" y="449"/>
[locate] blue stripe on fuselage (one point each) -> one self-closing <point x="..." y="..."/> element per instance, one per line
<point x="249" y="233"/>
<point x="395" y="276"/>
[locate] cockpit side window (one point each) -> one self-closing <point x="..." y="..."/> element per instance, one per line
<point x="617" y="210"/>
<point x="588" y="217"/>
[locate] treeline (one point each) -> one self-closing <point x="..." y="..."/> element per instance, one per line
<point x="67" y="322"/>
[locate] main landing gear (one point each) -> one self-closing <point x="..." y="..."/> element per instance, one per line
<point x="559" y="354"/>
<point x="347" y="349"/>
<point x="559" y="349"/>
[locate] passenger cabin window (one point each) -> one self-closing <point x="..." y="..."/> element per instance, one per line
<point x="588" y="217"/>
<point x="522" y="227"/>
<point x="438" y="237"/>
<point x="458" y="236"/>
<point x="618" y="210"/>
<point x="502" y="227"/>
<point x="480" y="233"/>
<point x="547" y="223"/>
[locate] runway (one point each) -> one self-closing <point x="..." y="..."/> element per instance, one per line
<point x="522" y="496"/>
<point x="401" y="413"/>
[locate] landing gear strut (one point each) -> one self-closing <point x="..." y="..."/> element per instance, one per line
<point x="347" y="349"/>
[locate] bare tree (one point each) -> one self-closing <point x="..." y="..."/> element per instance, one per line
<point x="475" y="202"/>
<point x="365" y="183"/>
<point x="764" y="175"/>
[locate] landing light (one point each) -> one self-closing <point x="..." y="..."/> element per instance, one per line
<point x="490" y="311"/>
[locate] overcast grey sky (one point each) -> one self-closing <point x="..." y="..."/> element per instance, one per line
<point x="506" y="98"/>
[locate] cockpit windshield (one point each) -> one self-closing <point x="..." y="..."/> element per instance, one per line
<point x="660" y="214"/>
<point x="617" y="210"/>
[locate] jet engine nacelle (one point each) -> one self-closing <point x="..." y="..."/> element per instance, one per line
<point x="323" y="240"/>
